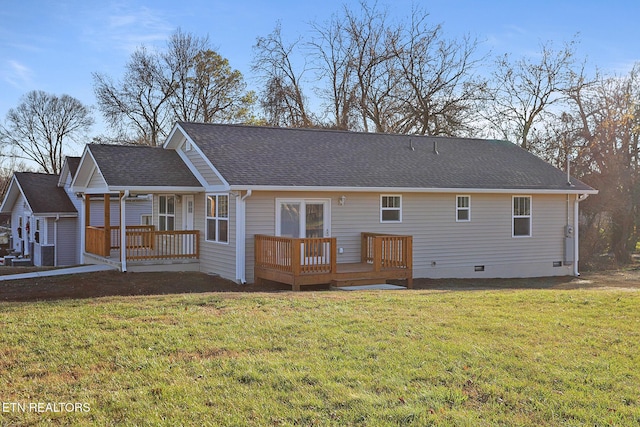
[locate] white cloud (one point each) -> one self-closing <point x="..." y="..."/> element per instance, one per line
<point x="17" y="74"/>
<point x="125" y="27"/>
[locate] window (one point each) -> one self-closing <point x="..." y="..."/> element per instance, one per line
<point x="187" y="146"/>
<point x="521" y="216"/>
<point x="463" y="208"/>
<point x="390" y="208"/>
<point x="166" y="213"/>
<point x="146" y="219"/>
<point x="218" y="218"/>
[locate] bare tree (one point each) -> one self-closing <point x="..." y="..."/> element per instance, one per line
<point x="283" y="100"/>
<point x="136" y="107"/>
<point x="600" y="129"/>
<point x="525" y="89"/>
<point x="437" y="86"/>
<point x="188" y="81"/>
<point x="42" y="125"/>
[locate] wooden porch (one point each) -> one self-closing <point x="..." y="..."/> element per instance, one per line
<point x="311" y="261"/>
<point x="143" y="242"/>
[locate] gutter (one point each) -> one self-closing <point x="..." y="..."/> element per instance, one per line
<point x="576" y="245"/>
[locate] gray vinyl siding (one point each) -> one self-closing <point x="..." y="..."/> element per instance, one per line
<point x="133" y="211"/>
<point x="203" y="168"/>
<point x="216" y="258"/>
<point x="67" y="250"/>
<point x="442" y="247"/>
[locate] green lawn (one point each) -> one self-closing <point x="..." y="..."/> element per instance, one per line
<point x="472" y="358"/>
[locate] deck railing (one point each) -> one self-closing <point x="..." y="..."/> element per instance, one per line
<point x="143" y="242"/>
<point x="162" y="244"/>
<point x="96" y="241"/>
<point x="295" y="255"/>
<point x="115" y="234"/>
<point x="386" y="251"/>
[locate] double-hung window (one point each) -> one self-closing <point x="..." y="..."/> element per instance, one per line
<point x="463" y="208"/>
<point x="218" y="218"/>
<point x="521" y="216"/>
<point x="166" y="213"/>
<point x="390" y="208"/>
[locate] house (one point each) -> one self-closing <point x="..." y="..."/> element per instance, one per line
<point x="45" y="225"/>
<point x="307" y="206"/>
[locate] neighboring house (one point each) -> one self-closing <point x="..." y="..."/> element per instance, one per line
<point x="310" y="206"/>
<point x="43" y="219"/>
<point x="45" y="225"/>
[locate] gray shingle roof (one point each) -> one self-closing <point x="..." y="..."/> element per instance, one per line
<point x="251" y="155"/>
<point x="43" y="194"/>
<point x="142" y="166"/>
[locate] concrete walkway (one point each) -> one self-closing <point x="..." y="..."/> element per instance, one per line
<point x="58" y="272"/>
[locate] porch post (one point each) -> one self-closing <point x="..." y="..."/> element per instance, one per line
<point x="107" y="224"/>
<point x="123" y="231"/>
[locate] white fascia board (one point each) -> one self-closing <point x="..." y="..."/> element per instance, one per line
<point x="11" y="195"/>
<point x="410" y="190"/>
<point x="75" y="185"/>
<point x="56" y="214"/>
<point x="171" y="134"/>
<point x="156" y="190"/>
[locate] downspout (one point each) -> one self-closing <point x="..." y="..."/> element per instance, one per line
<point x="55" y="240"/>
<point x="241" y="233"/>
<point x="123" y="232"/>
<point x="575" y="231"/>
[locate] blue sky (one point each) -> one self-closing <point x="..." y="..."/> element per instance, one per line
<point x="55" y="45"/>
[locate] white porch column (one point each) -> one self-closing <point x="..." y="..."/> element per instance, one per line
<point x="123" y="231"/>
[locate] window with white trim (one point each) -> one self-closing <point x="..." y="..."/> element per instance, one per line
<point x="217" y="218"/>
<point x="390" y="208"/>
<point x="463" y="208"/>
<point x="146" y="219"/>
<point x="166" y="213"/>
<point x="521" y="218"/>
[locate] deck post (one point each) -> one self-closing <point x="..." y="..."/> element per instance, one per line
<point x="334" y="255"/>
<point x="377" y="253"/>
<point x="296" y="263"/>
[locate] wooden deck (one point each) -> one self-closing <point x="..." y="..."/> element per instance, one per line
<point x="300" y="262"/>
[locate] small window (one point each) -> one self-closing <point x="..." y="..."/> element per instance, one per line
<point x="166" y="213"/>
<point x="187" y="146"/>
<point x="146" y="219"/>
<point x="463" y="208"/>
<point x="521" y="216"/>
<point x="390" y="209"/>
<point x="217" y="218"/>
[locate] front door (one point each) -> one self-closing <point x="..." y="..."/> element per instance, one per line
<point x="187" y="212"/>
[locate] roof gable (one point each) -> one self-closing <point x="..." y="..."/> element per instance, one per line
<point x="128" y="166"/>
<point x="264" y="156"/>
<point x="41" y="192"/>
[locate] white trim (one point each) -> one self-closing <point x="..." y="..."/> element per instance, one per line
<point x="303" y="203"/>
<point x="216" y="218"/>
<point x="192" y="168"/>
<point x="399" y="209"/>
<point x="406" y="189"/>
<point x="467" y="208"/>
<point x="530" y="216"/>
<point x="197" y="149"/>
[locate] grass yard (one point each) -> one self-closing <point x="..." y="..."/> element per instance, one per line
<point x="448" y="358"/>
